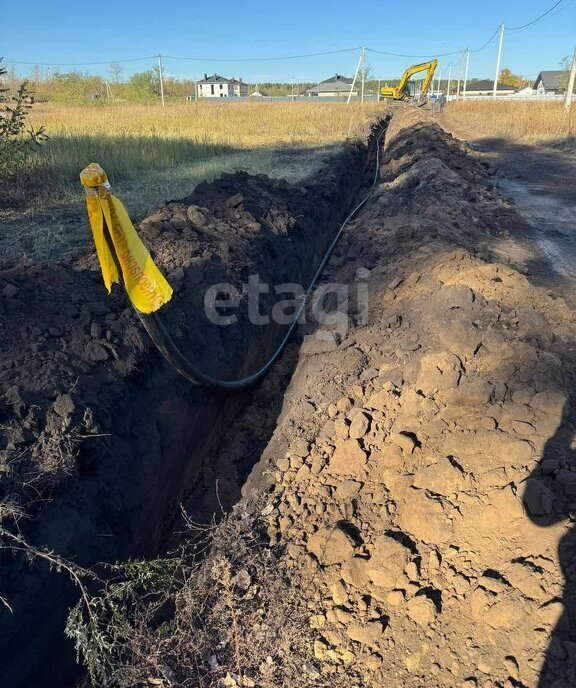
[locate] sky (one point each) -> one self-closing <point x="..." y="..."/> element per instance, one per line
<point x="61" y="31"/>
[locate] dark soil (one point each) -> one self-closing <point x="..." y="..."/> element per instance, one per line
<point x="419" y="488"/>
<point x="101" y="439"/>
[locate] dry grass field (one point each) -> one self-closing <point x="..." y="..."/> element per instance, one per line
<point x="130" y="140"/>
<point x="540" y="122"/>
<point x="153" y="154"/>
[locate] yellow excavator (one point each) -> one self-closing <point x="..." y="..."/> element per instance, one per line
<point x="402" y="92"/>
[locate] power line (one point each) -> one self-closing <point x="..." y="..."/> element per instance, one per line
<point x="174" y="57"/>
<point x="259" y="59"/>
<point x="456" y="52"/>
<point x="382" y="52"/>
<point x="524" y="26"/>
<point x="487" y="42"/>
<point x="561" y="9"/>
<point x="79" y="64"/>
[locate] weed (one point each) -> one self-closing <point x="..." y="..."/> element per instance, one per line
<point x="222" y="612"/>
<point x="541" y="122"/>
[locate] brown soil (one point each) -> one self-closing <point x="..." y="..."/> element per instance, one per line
<point x="100" y="437"/>
<point x="542" y="184"/>
<point x="418" y="488"/>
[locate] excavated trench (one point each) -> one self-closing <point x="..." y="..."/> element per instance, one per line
<point x="101" y="439"/>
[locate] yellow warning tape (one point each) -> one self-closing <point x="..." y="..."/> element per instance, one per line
<point x="146" y="286"/>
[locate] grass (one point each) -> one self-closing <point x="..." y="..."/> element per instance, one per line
<point x="221" y="611"/>
<point x="538" y="122"/>
<point x="130" y="140"/>
<point x="153" y="154"/>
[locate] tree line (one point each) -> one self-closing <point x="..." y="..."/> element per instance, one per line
<point x="76" y="87"/>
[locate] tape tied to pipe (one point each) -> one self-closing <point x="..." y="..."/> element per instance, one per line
<point x="124" y="252"/>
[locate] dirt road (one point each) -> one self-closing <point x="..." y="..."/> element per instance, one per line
<point x="542" y="183"/>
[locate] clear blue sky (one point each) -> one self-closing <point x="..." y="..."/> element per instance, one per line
<point x="64" y="31"/>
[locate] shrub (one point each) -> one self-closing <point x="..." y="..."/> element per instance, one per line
<point x="17" y="141"/>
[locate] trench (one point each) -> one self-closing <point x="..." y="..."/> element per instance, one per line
<point x="165" y="441"/>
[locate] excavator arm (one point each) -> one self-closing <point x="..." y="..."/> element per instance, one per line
<point x="400" y="92"/>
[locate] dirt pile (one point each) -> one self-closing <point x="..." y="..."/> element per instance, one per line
<point x="400" y="501"/>
<point x="411" y="500"/>
<point x="100" y="438"/>
<point x="422" y="470"/>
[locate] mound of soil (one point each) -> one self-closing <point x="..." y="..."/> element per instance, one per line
<point x="100" y="438"/>
<point x="421" y="475"/>
<point x="411" y="501"/>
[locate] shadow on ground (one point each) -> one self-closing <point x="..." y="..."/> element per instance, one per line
<point x="550" y="498"/>
<point x="45" y="217"/>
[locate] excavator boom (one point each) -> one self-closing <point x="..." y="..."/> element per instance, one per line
<point x="400" y="92"/>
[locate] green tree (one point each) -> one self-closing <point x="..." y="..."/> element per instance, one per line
<point x="17" y="140"/>
<point x="143" y="87"/>
<point x="75" y="88"/>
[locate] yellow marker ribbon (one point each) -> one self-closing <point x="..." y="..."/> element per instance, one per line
<point x="146" y="286"/>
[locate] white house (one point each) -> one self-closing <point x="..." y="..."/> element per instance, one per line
<point x="217" y="86"/>
<point x="485" y="87"/>
<point x="552" y="81"/>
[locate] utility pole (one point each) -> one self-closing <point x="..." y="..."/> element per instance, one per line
<point x="466" y="73"/>
<point x="355" y="77"/>
<point x="494" y="93"/>
<point x="378" y="91"/>
<point x="363" y="71"/>
<point x="459" y="75"/>
<point x="161" y="80"/>
<point x="449" y="80"/>
<point x="571" y="79"/>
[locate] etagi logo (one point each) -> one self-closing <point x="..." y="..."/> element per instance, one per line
<point x="331" y="304"/>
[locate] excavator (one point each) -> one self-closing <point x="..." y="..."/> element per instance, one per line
<point x="402" y="92"/>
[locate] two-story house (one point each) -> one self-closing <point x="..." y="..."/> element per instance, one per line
<point x="217" y="86"/>
<point x="333" y="87"/>
<point x="240" y="88"/>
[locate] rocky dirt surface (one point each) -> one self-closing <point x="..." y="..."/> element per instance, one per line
<point x="542" y="183"/>
<point x="420" y="485"/>
<point x="410" y="520"/>
<point x="99" y="437"/>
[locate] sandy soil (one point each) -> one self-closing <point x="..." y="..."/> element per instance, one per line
<point x="409" y="522"/>
<point x="542" y="182"/>
<point x="418" y="489"/>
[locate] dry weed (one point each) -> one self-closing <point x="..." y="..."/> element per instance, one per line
<point x="229" y="618"/>
<point x="531" y="122"/>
